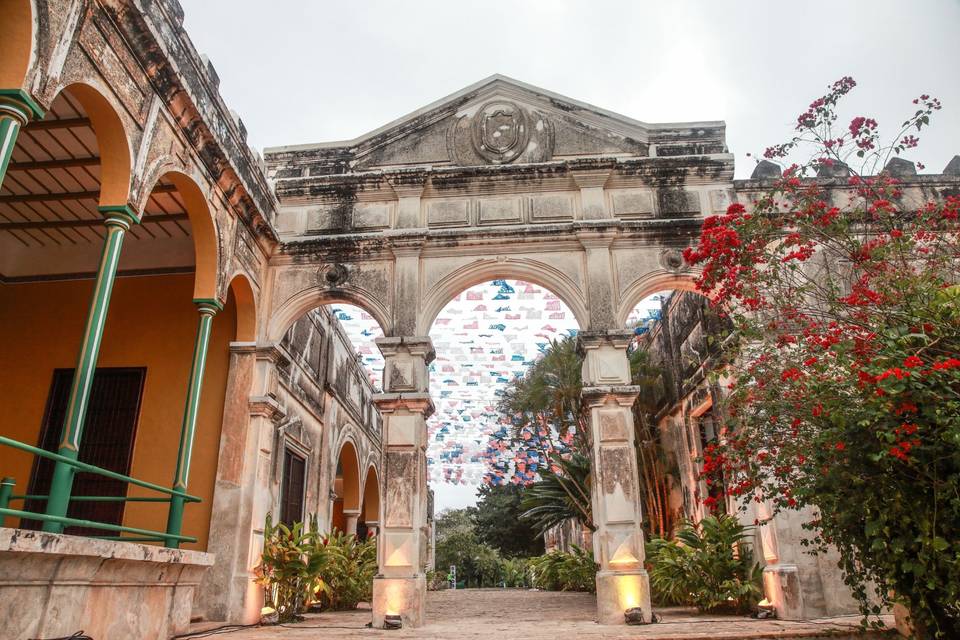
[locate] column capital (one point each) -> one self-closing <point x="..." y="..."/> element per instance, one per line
<point x="19" y="104"/>
<point x="208" y="306"/>
<point x="413" y="402"/>
<point x="598" y="396"/>
<point x="616" y="338"/>
<point x="587" y="178"/>
<point x="121" y="215"/>
<point x="409" y="183"/>
<point x="414" y="345"/>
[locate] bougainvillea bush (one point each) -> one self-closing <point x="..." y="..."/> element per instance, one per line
<point x="845" y="392"/>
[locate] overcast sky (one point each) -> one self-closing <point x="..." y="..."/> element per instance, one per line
<point x="302" y="72"/>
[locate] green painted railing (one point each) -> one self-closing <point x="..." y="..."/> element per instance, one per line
<point x="139" y="535"/>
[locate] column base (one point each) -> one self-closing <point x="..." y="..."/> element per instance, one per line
<point x="399" y="596"/>
<point x="781" y="587"/>
<point x="618" y="591"/>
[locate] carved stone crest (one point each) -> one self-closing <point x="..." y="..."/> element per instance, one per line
<point x="500" y="131"/>
<point x="672" y="260"/>
<point x="333" y="275"/>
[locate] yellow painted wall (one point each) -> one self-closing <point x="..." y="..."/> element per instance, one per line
<point x="152" y="323"/>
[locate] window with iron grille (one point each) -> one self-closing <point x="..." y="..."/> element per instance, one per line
<point x="292" y="487"/>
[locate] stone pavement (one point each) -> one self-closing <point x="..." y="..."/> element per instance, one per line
<point x="513" y="614"/>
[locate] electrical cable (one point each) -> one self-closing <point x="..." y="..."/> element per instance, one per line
<point x="227" y="628"/>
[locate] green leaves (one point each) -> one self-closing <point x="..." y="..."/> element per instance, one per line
<point x="562" y="571"/>
<point x="300" y="566"/>
<point x="708" y="565"/>
<point x="560" y="496"/>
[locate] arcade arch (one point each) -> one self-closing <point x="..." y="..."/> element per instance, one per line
<point x="69" y="234"/>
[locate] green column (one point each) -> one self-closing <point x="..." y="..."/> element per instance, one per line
<point x="118" y="222"/>
<point x="17" y="108"/>
<point x="207" y="309"/>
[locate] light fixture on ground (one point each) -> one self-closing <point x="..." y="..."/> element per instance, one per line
<point x="392" y="621"/>
<point x="634" y="615"/>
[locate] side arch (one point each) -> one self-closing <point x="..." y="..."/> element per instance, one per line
<point x="113" y="142"/>
<point x="348" y="465"/>
<point x="246" y="301"/>
<point x="203" y="229"/>
<point x="485" y="270"/>
<point x="17" y="42"/>
<point x="649" y="284"/>
<point x="308" y="299"/>
<point x="371" y="495"/>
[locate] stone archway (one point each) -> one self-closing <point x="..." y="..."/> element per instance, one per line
<point x="591" y="205"/>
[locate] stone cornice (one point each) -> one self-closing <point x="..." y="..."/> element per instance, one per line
<point x="188" y="85"/>
<point x="359" y="247"/>
<point x="654" y="172"/>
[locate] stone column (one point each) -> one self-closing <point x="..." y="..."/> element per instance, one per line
<point x="400" y="585"/>
<point x="351" y="518"/>
<point x="17" y="108"/>
<point x="208" y="309"/>
<point x="622" y="582"/>
<point x="372" y="528"/>
<point x="118" y="222"/>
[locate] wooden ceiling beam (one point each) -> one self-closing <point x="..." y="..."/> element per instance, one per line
<point x="79" y="224"/>
<point x="63" y="123"/>
<point x="71" y="195"/>
<point x="68" y="163"/>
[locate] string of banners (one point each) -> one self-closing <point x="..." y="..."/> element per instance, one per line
<point x="483" y="338"/>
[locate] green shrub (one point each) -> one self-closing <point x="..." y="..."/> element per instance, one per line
<point x="515" y="572"/>
<point x="709" y="565"/>
<point x="562" y="571"/>
<point x="350" y="567"/>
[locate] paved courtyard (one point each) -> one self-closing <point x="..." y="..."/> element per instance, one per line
<point x="508" y="614"/>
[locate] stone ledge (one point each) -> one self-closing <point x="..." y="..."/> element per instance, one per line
<point x="28" y="541"/>
<point x="52" y="585"/>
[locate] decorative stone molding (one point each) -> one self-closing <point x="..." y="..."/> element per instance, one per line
<point x="671" y="260"/>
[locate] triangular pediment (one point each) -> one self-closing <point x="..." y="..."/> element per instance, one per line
<point x="498" y="121"/>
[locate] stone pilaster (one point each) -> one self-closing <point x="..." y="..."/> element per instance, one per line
<point x="622" y="582"/>
<point x="400" y="585"/>
<point x="242" y="496"/>
<point x="600" y="283"/>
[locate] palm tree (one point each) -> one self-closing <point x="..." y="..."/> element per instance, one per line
<point x="562" y="493"/>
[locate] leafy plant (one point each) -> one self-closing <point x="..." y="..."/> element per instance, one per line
<point x="350" y="566"/>
<point x="562" y="571"/>
<point x="563" y="492"/>
<point x="291" y="567"/>
<point x="515" y="572"/>
<point x="709" y="565"/>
